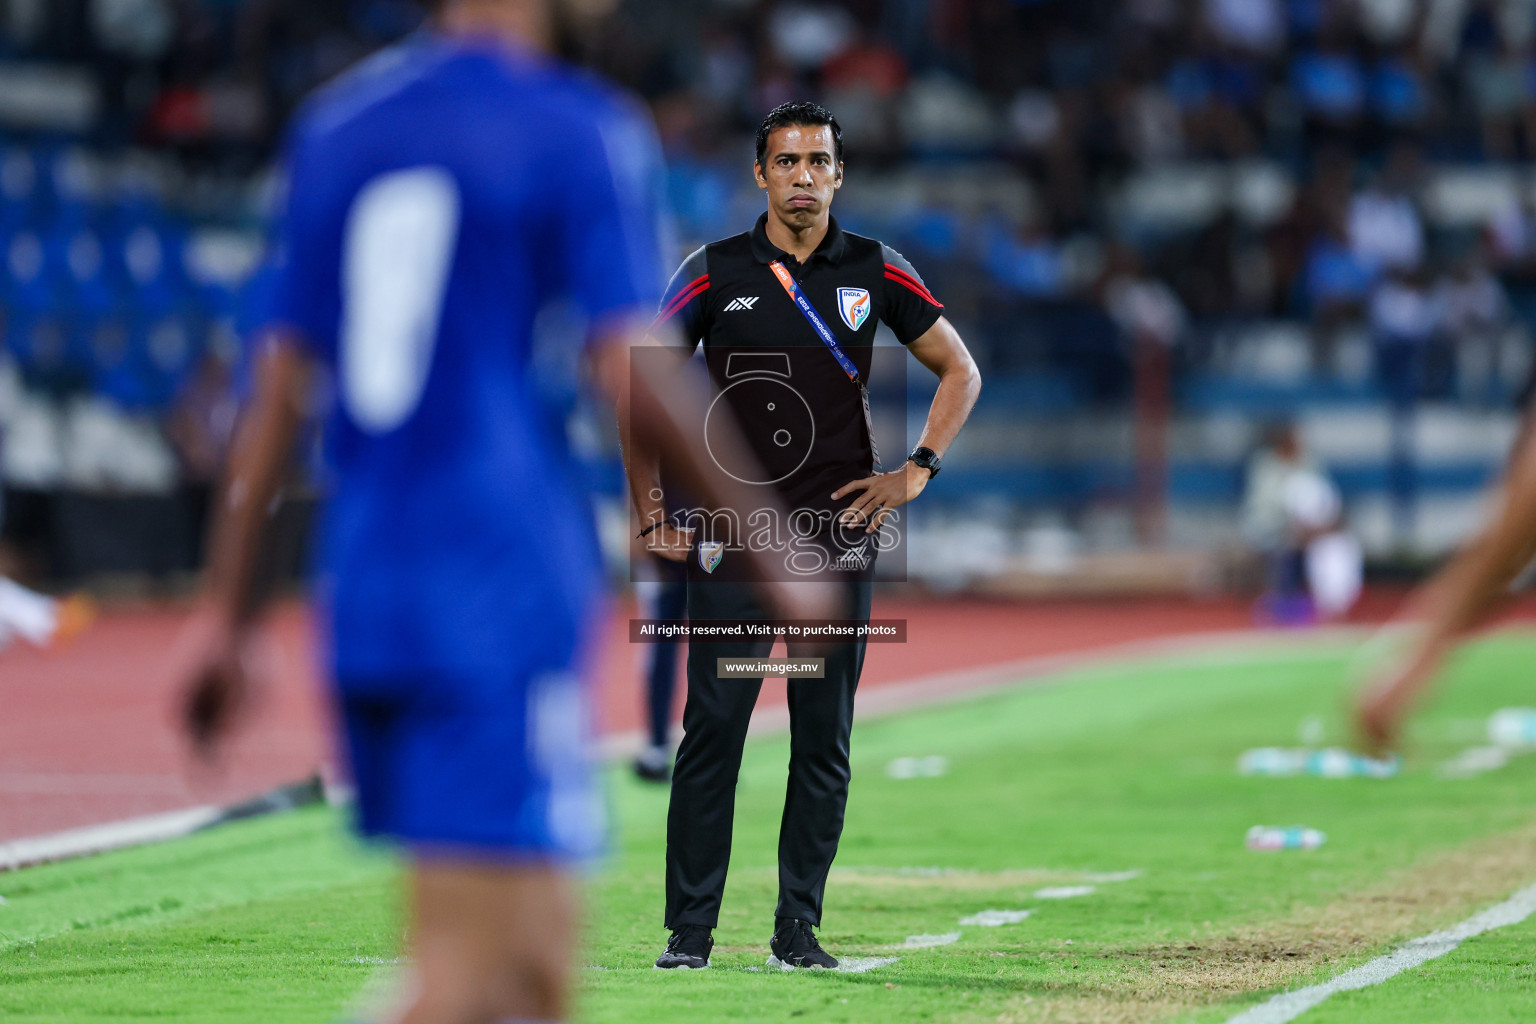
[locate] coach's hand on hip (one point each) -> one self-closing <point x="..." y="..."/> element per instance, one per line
<point x="882" y="492"/>
<point x="670" y="542"/>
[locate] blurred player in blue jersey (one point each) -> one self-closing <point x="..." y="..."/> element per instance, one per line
<point x="437" y="197"/>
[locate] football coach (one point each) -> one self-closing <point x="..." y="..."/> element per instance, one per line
<point x="793" y="303"/>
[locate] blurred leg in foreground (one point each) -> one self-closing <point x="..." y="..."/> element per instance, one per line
<point x="508" y="933"/>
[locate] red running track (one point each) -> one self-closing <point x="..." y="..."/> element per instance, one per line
<point x="88" y="734"/>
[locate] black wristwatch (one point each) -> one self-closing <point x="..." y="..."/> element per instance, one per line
<point x="927" y="458"/>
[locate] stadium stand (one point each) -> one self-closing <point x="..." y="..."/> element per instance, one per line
<point x="1323" y="210"/>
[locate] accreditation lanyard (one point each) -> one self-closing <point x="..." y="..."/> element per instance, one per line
<point x="797" y="296"/>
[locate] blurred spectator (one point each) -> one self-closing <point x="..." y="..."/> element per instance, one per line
<point x="1145" y="308"/>
<point x="201" y="427"/>
<point x="1499" y="84"/>
<point x="807" y="35"/>
<point x="942" y="114"/>
<point x="1413" y="363"/>
<point x="1385" y="230"/>
<point x="1151" y="127"/>
<point x="1293" y="518"/>
<point x="1476" y="315"/>
<point x="1407" y="325"/>
<point x="1329" y="80"/>
<point x="1028" y="262"/>
<point x="1399" y="97"/>
<point x="862" y="84"/>
<point x="1257" y="26"/>
<point x="140" y="30"/>
<point x="1337" y="283"/>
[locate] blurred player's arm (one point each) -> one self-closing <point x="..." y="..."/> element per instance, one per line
<point x="214" y="646"/>
<point x="642" y="459"/>
<point x="679" y="325"/>
<point x="660" y="414"/>
<point x="1456" y="600"/>
<point x="942" y="351"/>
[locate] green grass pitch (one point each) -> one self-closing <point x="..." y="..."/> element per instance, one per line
<point x="1101" y="773"/>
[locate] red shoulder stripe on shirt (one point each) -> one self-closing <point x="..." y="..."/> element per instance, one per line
<point x="697" y="286"/>
<point x="902" y="277"/>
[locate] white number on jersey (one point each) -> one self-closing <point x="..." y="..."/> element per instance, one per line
<point x="399" y="244"/>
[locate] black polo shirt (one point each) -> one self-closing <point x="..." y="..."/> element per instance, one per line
<point x="802" y="415"/>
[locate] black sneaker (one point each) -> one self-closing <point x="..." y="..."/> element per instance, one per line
<point x="794" y="945"/>
<point x="688" y="948"/>
<point x="653" y="764"/>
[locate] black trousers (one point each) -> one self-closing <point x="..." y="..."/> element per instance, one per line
<point x="715" y="722"/>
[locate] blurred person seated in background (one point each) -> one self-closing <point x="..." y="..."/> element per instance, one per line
<point x="1293" y="516"/>
<point x="1476" y="316"/>
<point x="1335" y="282"/>
<point x="40" y="620"/>
<point x="1413" y="362"/>
<point x="1386" y="230"/>
<point x="201" y="427"/>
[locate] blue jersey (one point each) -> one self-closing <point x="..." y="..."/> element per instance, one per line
<point x="437" y="198"/>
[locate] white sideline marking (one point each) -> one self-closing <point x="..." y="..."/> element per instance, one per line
<point x="996" y="918"/>
<point x="1287" y="1006"/>
<point x="1103" y="877"/>
<point x="76" y="842"/>
<point x="863" y="964"/>
<point x="1063" y="892"/>
<point x="929" y="941"/>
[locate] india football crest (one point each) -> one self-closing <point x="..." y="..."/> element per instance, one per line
<point x="853" y="303"/>
<point x="710" y="553"/>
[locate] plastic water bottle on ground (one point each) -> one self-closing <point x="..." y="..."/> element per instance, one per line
<point x="1284" y="837"/>
<point x="1332" y="763"/>
<point x="1337" y="763"/>
<point x="1513" y="727"/>
<point x="1270" y="761"/>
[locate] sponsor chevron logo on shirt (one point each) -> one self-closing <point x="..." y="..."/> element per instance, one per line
<point x="745" y="302"/>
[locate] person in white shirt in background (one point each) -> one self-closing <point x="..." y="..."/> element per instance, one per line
<point x="38" y="619"/>
<point x="1386" y="231"/>
<point x="1477" y="319"/>
<point x="1293" y="516"/>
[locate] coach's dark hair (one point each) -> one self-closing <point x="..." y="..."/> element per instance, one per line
<point x="800" y="112"/>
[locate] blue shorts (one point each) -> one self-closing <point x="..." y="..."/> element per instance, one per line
<point x="450" y="772"/>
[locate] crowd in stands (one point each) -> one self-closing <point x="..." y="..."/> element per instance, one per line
<point x="1072" y="177"/>
<point x="1176" y="164"/>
